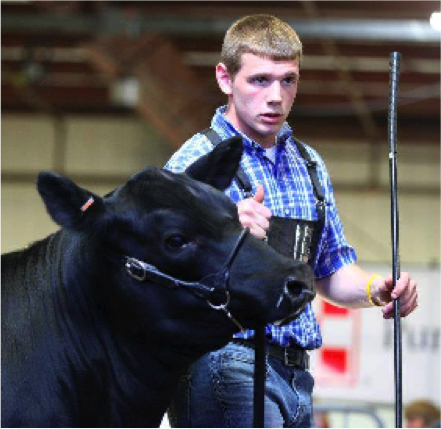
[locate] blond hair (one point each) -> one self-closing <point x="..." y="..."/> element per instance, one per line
<point x="263" y="35"/>
<point x="423" y="409"/>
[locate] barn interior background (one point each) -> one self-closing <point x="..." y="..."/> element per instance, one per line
<point x="96" y="90"/>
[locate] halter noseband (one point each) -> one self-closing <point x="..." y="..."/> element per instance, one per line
<point x="209" y="287"/>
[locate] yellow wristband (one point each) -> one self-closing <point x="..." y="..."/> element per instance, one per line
<point x="368" y="289"/>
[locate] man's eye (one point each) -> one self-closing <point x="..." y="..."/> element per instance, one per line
<point x="289" y="80"/>
<point x="259" y="80"/>
<point x="176" y="241"/>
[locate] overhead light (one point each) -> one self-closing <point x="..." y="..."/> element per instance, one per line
<point x="435" y="21"/>
<point x="125" y="92"/>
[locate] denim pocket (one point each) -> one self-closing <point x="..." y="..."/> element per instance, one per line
<point x="302" y="385"/>
<point x="236" y="365"/>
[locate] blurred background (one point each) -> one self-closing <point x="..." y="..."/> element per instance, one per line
<point x="98" y="89"/>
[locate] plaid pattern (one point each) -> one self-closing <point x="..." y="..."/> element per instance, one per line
<point x="288" y="193"/>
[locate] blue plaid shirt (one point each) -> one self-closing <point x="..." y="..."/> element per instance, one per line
<point x="288" y="193"/>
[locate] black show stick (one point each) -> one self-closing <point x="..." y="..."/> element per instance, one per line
<point x="394" y="63"/>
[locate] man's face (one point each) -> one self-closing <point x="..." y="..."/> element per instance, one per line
<point x="260" y="95"/>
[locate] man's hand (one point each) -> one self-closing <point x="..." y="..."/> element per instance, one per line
<point x="405" y="289"/>
<point x="254" y="215"/>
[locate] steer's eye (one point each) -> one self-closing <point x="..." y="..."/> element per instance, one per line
<point x="176" y="241"/>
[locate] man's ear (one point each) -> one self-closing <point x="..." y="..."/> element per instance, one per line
<point x="69" y="205"/>
<point x="224" y="79"/>
<point x="218" y="167"/>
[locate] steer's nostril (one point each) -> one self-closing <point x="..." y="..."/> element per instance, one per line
<point x="293" y="287"/>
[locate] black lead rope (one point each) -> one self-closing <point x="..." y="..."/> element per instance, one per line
<point x="259" y="377"/>
<point x="260" y="334"/>
<point x="260" y="337"/>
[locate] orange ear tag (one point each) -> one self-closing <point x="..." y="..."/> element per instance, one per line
<point x="87" y="204"/>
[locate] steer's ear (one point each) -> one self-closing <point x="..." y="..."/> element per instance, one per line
<point x="218" y="167"/>
<point x="69" y="205"/>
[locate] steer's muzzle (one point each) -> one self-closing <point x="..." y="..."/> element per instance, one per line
<point x="297" y="292"/>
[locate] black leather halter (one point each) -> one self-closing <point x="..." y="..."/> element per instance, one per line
<point x="213" y="288"/>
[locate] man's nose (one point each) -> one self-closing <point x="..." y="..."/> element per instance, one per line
<point x="275" y="93"/>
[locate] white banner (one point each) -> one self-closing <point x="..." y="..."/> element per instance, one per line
<point x="356" y="361"/>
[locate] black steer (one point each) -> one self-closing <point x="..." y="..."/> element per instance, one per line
<point x="100" y="319"/>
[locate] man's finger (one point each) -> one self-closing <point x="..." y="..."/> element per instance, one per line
<point x="254" y="205"/>
<point x="258" y="232"/>
<point x="254" y="220"/>
<point x="259" y="196"/>
<point x="401" y="286"/>
<point x="251" y="208"/>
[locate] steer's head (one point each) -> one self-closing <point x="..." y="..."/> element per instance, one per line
<point x="184" y="227"/>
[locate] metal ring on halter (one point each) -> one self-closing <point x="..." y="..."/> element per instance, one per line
<point x="224" y="308"/>
<point x="220" y="306"/>
<point x="134" y="263"/>
<point x="214" y="283"/>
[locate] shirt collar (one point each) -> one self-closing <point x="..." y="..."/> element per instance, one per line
<point x="225" y="129"/>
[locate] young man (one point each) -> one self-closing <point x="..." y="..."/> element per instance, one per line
<point x="292" y="194"/>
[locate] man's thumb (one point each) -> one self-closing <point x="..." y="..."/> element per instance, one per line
<point x="260" y="194"/>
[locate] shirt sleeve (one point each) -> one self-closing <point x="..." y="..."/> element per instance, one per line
<point x="189" y="152"/>
<point x="334" y="251"/>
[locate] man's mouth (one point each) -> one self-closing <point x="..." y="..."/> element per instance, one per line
<point x="271" y="118"/>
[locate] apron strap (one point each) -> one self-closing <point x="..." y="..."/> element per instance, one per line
<point x="245" y="185"/>
<point x="312" y="170"/>
<point x="318" y="192"/>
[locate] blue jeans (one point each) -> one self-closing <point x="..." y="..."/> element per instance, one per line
<point x="217" y="392"/>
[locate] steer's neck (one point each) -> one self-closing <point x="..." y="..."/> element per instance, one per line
<point x="141" y="374"/>
<point x="159" y="377"/>
<point x="73" y="280"/>
<point x="145" y="379"/>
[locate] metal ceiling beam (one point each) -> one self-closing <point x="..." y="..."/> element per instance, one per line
<point x="154" y="62"/>
<point x="112" y="21"/>
<point x="317" y="62"/>
<point x="93" y="179"/>
<point x="355" y="95"/>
